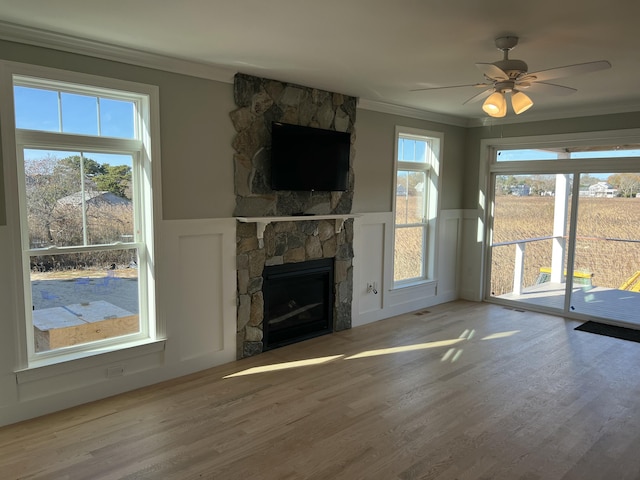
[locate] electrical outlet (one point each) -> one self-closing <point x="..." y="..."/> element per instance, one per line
<point x="115" y="371"/>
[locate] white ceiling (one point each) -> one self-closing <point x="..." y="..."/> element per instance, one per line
<point x="377" y="50"/>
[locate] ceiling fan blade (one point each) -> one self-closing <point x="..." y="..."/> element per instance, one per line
<point x="549" y="89"/>
<point x="451" y="86"/>
<point x="479" y="96"/>
<point x="492" y="72"/>
<point x="569" y="70"/>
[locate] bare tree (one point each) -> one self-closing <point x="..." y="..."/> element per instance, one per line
<point x="46" y="183"/>
<point x="628" y="184"/>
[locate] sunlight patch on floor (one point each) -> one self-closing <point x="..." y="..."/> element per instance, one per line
<point x="452" y="354"/>
<point x="285" y="366"/>
<point x="405" y="348"/>
<point x="495" y="336"/>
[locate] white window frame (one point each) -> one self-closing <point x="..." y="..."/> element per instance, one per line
<point x="146" y="169"/>
<point x="432" y="170"/>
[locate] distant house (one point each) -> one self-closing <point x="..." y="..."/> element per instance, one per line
<point x="94" y="198"/>
<point x="602" y="189"/>
<point x="521" y="190"/>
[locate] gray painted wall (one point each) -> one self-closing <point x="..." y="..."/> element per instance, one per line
<point x="375" y="138"/>
<point x="196" y="132"/>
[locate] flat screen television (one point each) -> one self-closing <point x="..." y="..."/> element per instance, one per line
<point x="309" y="159"/>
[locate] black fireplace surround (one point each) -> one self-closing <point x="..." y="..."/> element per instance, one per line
<point x="298" y="301"/>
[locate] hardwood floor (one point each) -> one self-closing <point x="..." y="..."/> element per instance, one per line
<point x="464" y="391"/>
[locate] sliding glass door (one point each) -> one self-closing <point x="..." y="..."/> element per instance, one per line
<point x="564" y="232"/>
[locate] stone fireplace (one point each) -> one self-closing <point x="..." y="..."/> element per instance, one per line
<point x="267" y="232"/>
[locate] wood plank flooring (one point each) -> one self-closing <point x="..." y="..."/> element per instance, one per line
<point x="464" y="391"/>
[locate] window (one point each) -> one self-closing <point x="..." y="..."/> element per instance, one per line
<point x="82" y="163"/>
<point x="415" y="205"/>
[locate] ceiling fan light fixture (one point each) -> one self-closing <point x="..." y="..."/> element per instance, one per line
<point x="495" y="105"/>
<point x="511" y="76"/>
<point x="520" y="102"/>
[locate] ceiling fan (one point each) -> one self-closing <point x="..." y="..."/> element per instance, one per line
<point x="510" y="76"/>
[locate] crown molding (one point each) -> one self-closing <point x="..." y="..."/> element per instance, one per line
<point x="377" y="106"/>
<point x="72" y="44"/>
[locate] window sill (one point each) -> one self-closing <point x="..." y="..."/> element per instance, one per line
<point x="52" y="366"/>
<point x="414" y="283"/>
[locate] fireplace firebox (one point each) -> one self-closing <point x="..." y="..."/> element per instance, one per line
<point x="298" y="301"/>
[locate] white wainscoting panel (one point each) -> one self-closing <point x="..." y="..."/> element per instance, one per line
<point x="371" y="232"/>
<point x="8" y="339"/>
<point x="449" y="254"/>
<point x="471" y="271"/>
<point x="373" y="262"/>
<point x="201" y="283"/>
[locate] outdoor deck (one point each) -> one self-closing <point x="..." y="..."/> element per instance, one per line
<point x="599" y="302"/>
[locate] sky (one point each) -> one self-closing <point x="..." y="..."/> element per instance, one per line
<point x="53" y="111"/>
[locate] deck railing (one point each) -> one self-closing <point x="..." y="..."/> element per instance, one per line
<point x="520" y="247"/>
<point x="518" y="269"/>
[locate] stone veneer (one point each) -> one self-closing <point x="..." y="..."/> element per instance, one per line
<point x="260" y="102"/>
<point x="289" y="242"/>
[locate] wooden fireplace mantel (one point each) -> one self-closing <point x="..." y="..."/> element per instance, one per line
<point x="262" y="222"/>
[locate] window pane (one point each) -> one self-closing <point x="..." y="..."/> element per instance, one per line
<point x="36" y="109"/>
<point x="116" y="118"/>
<point x="529" y="237"/>
<point x="79" y="114"/>
<point x="526" y="154"/>
<point x="65" y="210"/>
<point x="566" y="153"/>
<point x="408" y="255"/>
<point x="410" y="197"/>
<point x="608" y="249"/>
<point x="622" y="151"/>
<point x="83" y="297"/>
<point x="410" y="150"/>
<point x="50" y="185"/>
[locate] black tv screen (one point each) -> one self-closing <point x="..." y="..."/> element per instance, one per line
<point x="309" y="159"/>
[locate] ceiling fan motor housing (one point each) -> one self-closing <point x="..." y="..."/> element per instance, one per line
<point x="504" y="86"/>
<point x="506" y="43"/>
<point x="513" y="68"/>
